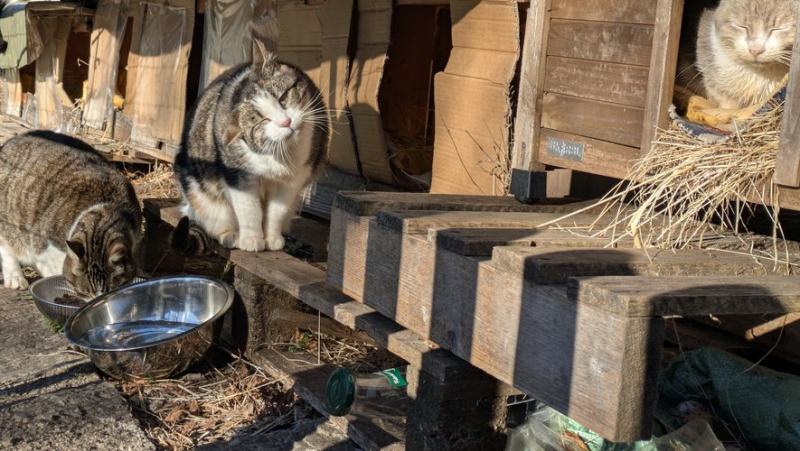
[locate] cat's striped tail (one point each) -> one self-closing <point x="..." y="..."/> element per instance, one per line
<point x="190" y="239"/>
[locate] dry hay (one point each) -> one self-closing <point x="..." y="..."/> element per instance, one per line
<point x="158" y="183"/>
<point x="688" y="194"/>
<point x="206" y="407"/>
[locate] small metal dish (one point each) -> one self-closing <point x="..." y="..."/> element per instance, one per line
<point x="47" y="289"/>
<point x="152" y="329"/>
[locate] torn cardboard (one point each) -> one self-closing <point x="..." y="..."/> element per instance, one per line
<point x="374" y="32"/>
<point x="473" y="108"/>
<point x="334" y="73"/>
<point x="300" y="35"/>
<point x="158" y="70"/>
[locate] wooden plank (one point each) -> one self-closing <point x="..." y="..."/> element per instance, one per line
<point x="365" y="203"/>
<point x="549" y="266"/>
<point x="594" y="119"/>
<point x="526" y="137"/>
<point x="599" y="157"/>
<point x="664" y="59"/>
<point x="308" y="379"/>
<point x="787" y="167"/>
<point x="623" y="11"/>
<point x="318" y="198"/>
<point x="687" y="296"/>
<point x="418" y="222"/>
<point x="601" y="41"/>
<point x="481" y="241"/>
<point x="608" y="82"/>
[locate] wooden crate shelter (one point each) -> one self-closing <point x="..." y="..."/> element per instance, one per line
<point x="564" y="318"/>
<point x="597" y="79"/>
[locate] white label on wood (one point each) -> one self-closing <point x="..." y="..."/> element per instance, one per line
<point x="565" y="149"/>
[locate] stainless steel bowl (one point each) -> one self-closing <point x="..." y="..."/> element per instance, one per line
<point x="46" y="290"/>
<point x="152" y="329"/>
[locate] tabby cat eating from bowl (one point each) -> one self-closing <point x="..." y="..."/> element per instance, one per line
<point x="66" y="209"/>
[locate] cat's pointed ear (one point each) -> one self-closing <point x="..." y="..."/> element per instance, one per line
<point x="179" y="239"/>
<point x="77" y="248"/>
<point x="263" y="54"/>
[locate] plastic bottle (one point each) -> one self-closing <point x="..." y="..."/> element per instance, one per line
<point x="375" y="395"/>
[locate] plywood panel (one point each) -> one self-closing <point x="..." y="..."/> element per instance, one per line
<point x="599" y="41"/>
<point x="609" y="82"/>
<point x="613" y="123"/>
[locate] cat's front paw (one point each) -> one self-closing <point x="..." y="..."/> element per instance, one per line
<point x="275" y="243"/>
<point x="228" y="240"/>
<point x="252" y="243"/>
<point x="15" y="282"/>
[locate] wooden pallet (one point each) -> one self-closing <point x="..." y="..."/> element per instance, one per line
<point x="444" y="388"/>
<point x="578" y="326"/>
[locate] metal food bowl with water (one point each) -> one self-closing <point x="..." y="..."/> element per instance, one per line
<point x="47" y="289"/>
<point x="152" y="329"/>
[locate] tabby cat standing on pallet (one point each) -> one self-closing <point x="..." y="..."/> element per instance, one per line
<point x="256" y="136"/>
<point x="743" y="50"/>
<point x="66" y="208"/>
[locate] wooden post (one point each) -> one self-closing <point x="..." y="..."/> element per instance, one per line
<point x="787" y="168"/>
<point x="524" y="158"/>
<point x="664" y="59"/>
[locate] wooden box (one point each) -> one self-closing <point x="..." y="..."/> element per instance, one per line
<point x="597" y="79"/>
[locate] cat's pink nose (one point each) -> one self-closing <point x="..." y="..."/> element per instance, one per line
<point x="285" y="123"/>
<point x="756" y="49"/>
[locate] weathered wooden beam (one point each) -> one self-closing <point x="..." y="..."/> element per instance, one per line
<point x="738" y="294"/>
<point x="787" y="168"/>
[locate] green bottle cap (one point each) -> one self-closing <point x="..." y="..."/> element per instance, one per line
<point x="340" y="393"/>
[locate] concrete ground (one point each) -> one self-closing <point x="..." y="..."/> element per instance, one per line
<point x="51" y="397"/>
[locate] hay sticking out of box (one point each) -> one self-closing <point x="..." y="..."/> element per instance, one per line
<point x="687" y="193"/>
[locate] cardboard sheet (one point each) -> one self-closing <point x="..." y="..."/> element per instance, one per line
<point x="334" y="73"/>
<point x="109" y="29"/>
<point x="300" y="35"/>
<point x="374" y="31"/>
<point x="473" y="110"/>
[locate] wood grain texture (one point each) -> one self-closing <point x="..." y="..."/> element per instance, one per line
<point x="599" y="157"/>
<point x="617" y="124"/>
<point x="607" y="82"/>
<point x="524" y="155"/>
<point x="418" y="222"/>
<point x="687" y="296"/>
<point x="555" y="266"/>
<point x="787" y="168"/>
<point x="662" y="70"/>
<point x="601" y="41"/>
<point x="622" y="11"/>
<point x="535" y="339"/>
<point x="309" y="380"/>
<point x="480" y="242"/>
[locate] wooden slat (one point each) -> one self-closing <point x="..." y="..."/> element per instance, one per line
<point x="623" y="11"/>
<point x="481" y="241"/>
<point x="599" y="157"/>
<point x="608" y="82"/>
<point x="686" y="296"/>
<point x="599" y="41"/>
<point x="418" y="222"/>
<point x="308" y="379"/>
<point x="554" y="266"/>
<point x="526" y="134"/>
<point x="787" y="168"/>
<point x="662" y="70"/>
<point x="613" y="123"/>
